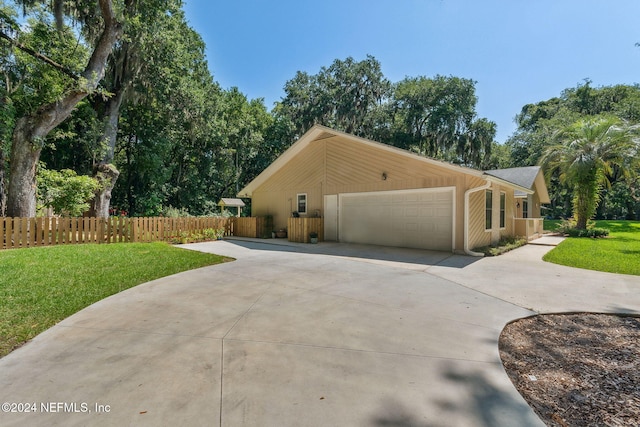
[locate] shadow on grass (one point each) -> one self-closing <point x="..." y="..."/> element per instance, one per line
<point x="630" y="252"/>
<point x="620" y="226"/>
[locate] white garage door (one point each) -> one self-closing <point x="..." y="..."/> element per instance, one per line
<point x="408" y="218"/>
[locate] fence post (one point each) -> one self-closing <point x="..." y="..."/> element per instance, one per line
<point x="134" y="230"/>
<point x="32" y="232"/>
<point x="10" y="228"/>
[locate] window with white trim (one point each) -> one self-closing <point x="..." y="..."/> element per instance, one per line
<point x="503" y="209"/>
<point x="302" y="203"/>
<point x="488" y="209"/>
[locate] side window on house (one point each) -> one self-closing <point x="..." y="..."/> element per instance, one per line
<point x="503" y="213"/>
<point x="302" y="203"/>
<point x="525" y="209"/>
<point x="488" y="209"/>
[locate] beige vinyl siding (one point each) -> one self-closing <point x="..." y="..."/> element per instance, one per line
<point x="478" y="236"/>
<point x="353" y="168"/>
<point x="303" y="174"/>
<point x="510" y="213"/>
<point x="304" y="170"/>
<point x="280" y="204"/>
<point x="334" y="166"/>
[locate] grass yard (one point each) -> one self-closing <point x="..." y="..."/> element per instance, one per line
<point x="618" y="253"/>
<point x="39" y="287"/>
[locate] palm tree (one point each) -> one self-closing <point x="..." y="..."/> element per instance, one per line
<point x="586" y="155"/>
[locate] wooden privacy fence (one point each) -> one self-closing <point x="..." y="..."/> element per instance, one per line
<point x="252" y="227"/>
<point x="299" y="229"/>
<point x="45" y="231"/>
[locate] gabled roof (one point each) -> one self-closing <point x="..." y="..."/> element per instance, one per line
<point x="527" y="177"/>
<point x="319" y="132"/>
<point x="524" y="176"/>
<point x="227" y="202"/>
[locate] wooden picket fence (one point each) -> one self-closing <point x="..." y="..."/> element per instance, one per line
<point x="46" y="231"/>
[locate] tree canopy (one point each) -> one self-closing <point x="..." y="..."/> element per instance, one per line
<point x="586" y="154"/>
<point x="119" y="92"/>
<point x="540" y="124"/>
<point x="432" y="116"/>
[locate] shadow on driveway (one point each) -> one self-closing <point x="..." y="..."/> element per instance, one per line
<point x="418" y="259"/>
<point x="477" y="399"/>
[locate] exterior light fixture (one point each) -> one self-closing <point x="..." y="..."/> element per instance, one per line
<point x="384" y="176"/>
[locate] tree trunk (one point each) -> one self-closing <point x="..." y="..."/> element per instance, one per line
<point x="107" y="175"/>
<point x="105" y="172"/>
<point x="21" y="200"/>
<point x="26" y="146"/>
<point x="31" y="131"/>
<point x="3" y="194"/>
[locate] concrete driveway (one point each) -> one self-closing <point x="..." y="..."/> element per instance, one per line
<point x="302" y="335"/>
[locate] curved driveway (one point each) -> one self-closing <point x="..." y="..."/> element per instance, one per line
<point x="303" y="335"/>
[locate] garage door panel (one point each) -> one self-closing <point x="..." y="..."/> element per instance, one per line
<point x="416" y="219"/>
<point x="443" y="196"/>
<point x="411" y="212"/>
<point x="426" y="197"/>
<point x="442" y="212"/>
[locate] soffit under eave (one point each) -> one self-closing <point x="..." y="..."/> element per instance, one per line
<point x="311" y="135"/>
<point x="541" y="188"/>
<point x="511" y="185"/>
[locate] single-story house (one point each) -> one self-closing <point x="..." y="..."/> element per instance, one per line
<point x="373" y="193"/>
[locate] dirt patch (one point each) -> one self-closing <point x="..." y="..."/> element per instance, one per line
<point x="576" y="369"/>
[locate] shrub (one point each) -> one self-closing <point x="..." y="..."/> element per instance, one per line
<point x="505" y="244"/>
<point x="568" y="227"/>
<point x="219" y="233"/>
<point x="589" y="232"/>
<point x="209" y="233"/>
<point x="213" y="233"/>
<point x="171" y="212"/>
<point x="65" y="191"/>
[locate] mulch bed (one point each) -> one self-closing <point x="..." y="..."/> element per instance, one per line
<point x="576" y="369"/>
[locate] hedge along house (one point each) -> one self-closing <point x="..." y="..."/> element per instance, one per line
<point x="373" y="193"/>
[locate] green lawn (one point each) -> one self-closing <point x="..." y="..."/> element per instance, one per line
<point x="41" y="286"/>
<point x="618" y="253"/>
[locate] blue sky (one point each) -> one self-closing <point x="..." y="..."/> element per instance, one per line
<point x="517" y="51"/>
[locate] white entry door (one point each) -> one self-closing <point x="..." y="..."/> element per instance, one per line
<point x="331" y="217"/>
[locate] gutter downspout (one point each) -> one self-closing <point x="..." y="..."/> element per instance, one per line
<point x="466" y="217"/>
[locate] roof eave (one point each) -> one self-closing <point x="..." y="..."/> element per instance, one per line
<point x="541" y="186"/>
<point x="317" y="130"/>
<point x="283" y="159"/>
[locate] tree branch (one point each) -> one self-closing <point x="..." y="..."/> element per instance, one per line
<point x="39" y="56"/>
